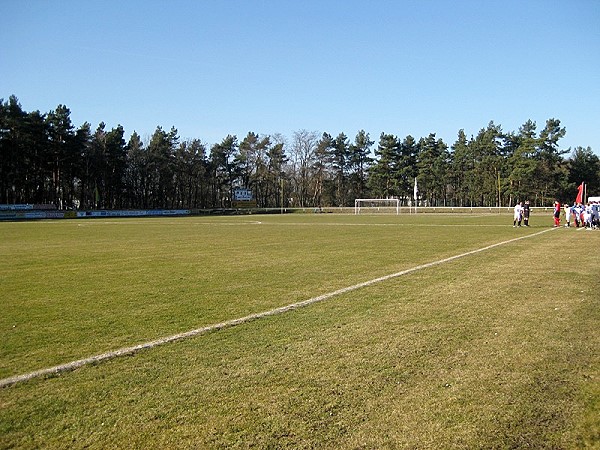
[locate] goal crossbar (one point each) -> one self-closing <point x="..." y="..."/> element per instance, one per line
<point x="363" y="202"/>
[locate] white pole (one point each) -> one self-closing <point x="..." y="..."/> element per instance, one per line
<point x="416" y="194"/>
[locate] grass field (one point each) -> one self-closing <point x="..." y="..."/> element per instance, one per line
<point x="497" y="349"/>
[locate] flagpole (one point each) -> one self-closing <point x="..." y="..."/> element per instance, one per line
<point x="416" y="194"/>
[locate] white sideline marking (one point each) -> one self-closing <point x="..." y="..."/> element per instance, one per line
<point x="231" y="323"/>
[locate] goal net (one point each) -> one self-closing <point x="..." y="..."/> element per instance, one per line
<point x="377" y="206"/>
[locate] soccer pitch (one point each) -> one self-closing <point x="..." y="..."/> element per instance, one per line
<point x="497" y="348"/>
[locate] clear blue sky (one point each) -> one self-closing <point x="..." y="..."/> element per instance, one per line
<point x="216" y="67"/>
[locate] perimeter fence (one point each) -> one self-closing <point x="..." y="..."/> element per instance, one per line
<point x="30" y="212"/>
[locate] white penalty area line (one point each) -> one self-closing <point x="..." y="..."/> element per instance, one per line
<point x="242" y="320"/>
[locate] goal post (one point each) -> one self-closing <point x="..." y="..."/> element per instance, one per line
<point x="377" y="205"/>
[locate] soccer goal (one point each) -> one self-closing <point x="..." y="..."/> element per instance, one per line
<point x="377" y="206"/>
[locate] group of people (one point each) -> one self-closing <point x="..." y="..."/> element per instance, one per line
<point x="521" y="214"/>
<point x="587" y="216"/>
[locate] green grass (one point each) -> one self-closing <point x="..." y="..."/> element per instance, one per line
<point x="495" y="350"/>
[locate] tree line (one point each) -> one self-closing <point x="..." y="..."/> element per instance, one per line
<point x="44" y="159"/>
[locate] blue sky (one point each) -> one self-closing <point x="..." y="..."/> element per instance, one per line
<point x="213" y="68"/>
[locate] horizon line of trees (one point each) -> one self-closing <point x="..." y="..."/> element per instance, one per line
<point x="44" y="159"/>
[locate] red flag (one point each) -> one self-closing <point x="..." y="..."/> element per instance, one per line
<point x="579" y="198"/>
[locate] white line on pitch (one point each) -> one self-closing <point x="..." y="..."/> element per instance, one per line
<point x="231" y="323"/>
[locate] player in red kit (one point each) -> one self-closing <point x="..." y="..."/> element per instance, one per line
<point x="557" y="214"/>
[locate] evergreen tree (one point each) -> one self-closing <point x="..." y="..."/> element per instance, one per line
<point x="551" y="174"/>
<point x="339" y="168"/>
<point x="161" y="167"/>
<point x="521" y="163"/>
<point x="461" y="171"/>
<point x="14" y="154"/>
<point x="62" y="156"/>
<point x="382" y="181"/>
<point x="98" y="165"/>
<point x="190" y="174"/>
<point x="584" y="166"/>
<point x="487" y="149"/>
<point x="252" y="165"/>
<point x="246" y="159"/>
<point x="323" y="188"/>
<point x="137" y="183"/>
<point x="116" y="158"/>
<point x="276" y="161"/>
<point x="358" y="163"/>
<point x="85" y="181"/>
<point x="433" y="168"/>
<point x="222" y="169"/>
<point x="406" y="167"/>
